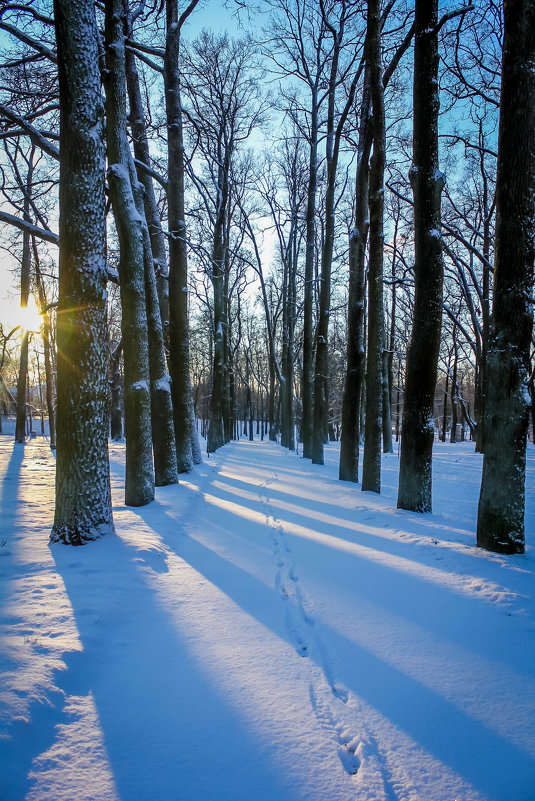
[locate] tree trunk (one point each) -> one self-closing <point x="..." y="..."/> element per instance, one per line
<point x="422" y="354"/>
<point x="500" y="524"/>
<point x="46" y="348"/>
<point x="142" y="153"/>
<point x="116" y="427"/>
<point x="218" y="425"/>
<point x="351" y="403"/>
<point x="453" y="434"/>
<point x="388" y="357"/>
<point x="321" y="372"/>
<point x="289" y="339"/>
<point x="445" y="406"/>
<point x="163" y="436"/>
<point x="139" y="484"/>
<point x="187" y="448"/>
<point x="307" y="394"/>
<point x="20" y="423"/>
<point x="216" y="429"/>
<point x="387" y="407"/>
<point x="162" y="426"/>
<point x="83" y="499"/>
<point x="481" y="394"/>
<point x="371" y="468"/>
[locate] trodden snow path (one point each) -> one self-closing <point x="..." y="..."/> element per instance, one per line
<point x="265" y="631"/>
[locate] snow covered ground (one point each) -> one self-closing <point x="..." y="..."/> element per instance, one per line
<point x="264" y="631"/>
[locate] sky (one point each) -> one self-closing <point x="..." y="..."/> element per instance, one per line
<point x="210" y="14"/>
<point x="9" y="296"/>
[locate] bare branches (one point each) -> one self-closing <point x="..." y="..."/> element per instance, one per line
<point x="36" y="136"/>
<point x="29" y="228"/>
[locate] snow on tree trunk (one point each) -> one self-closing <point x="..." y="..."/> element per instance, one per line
<point x="163" y="436"/>
<point x="142" y="153"/>
<point x="139" y="484"/>
<point x="427" y="182"/>
<point x="187" y="450"/>
<point x="162" y="426"/>
<point x="500" y="524"/>
<point x="371" y="468"/>
<point x="83" y="500"/>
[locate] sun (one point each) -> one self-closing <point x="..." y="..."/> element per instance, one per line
<point x="29" y="317"/>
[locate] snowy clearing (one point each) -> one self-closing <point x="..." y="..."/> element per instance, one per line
<point x="264" y="631"/>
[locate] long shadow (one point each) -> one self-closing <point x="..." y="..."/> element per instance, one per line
<point x="424" y="606"/>
<point x="415" y="709"/>
<point x="424" y="554"/>
<point x="435" y="523"/>
<point x="436" y="526"/>
<point x="20" y="742"/>
<point x="9" y="489"/>
<point x="9" y="512"/>
<point x="146" y="687"/>
<point x="418" y="598"/>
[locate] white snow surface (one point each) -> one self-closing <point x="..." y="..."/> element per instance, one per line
<point x="265" y="632"/>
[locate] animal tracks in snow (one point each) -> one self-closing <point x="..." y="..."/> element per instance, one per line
<point x="336" y="711"/>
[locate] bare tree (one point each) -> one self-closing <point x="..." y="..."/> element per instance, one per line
<point x="83" y="500"/>
<point x="422" y="354"/>
<point x="371" y="473"/>
<point x="500" y="524"/>
<point x="188" y="452"/>
<point x="139" y="485"/>
<point x="223" y="107"/>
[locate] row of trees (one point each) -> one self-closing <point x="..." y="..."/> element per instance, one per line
<point x="184" y="184"/>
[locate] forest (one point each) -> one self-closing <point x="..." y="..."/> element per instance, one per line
<point x="267" y="353"/>
<point x="296" y="225"/>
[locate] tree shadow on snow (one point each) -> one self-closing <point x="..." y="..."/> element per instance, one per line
<point x="414" y="708"/>
<point x="146" y="686"/>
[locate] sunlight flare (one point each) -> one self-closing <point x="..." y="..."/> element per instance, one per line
<point x="30" y="317"/>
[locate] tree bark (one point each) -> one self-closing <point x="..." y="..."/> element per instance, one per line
<point x="351" y="402"/>
<point x="142" y="154"/>
<point x="162" y="425"/>
<point x="289" y="314"/>
<point x="187" y="449"/>
<point x="415" y="474"/>
<point x="500" y="524"/>
<point x="20" y="422"/>
<point x="371" y="468"/>
<point x="46" y="349"/>
<point x="139" y="484"/>
<point x="83" y="499"/>
<point x="116" y="427"/>
<point x="454" y="391"/>
<point x="307" y="380"/>
<point x="445" y="404"/>
<point x="321" y="371"/>
<point x="155" y="266"/>
<point x="216" y="429"/>
<point x="388" y="355"/>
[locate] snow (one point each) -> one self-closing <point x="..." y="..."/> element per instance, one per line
<point x="140" y="386"/>
<point x="163" y="384"/>
<point x="263" y="630"/>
